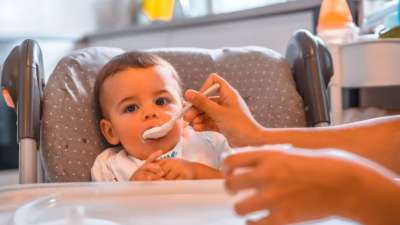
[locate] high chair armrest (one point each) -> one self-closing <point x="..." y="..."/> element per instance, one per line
<point x="312" y="68"/>
<point x="22" y="76"/>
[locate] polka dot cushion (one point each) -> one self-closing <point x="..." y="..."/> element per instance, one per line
<point x="262" y="77"/>
<point x="70" y="136"/>
<point x="71" y="139"/>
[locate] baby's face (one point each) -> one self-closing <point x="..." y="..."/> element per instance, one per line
<point x="138" y="99"/>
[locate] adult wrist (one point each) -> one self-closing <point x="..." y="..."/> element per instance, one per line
<point x="262" y="136"/>
<point x="375" y="200"/>
<point x="255" y="136"/>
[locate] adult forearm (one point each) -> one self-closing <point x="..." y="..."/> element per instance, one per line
<point x="378" y="140"/>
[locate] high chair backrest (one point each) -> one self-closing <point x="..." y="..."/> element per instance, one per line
<point x="70" y="136"/>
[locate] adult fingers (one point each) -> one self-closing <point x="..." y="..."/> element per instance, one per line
<point x="254" y="203"/>
<point x="210" y="124"/>
<point x="267" y="197"/>
<point x="216" y="79"/>
<point x="200" y="127"/>
<point x="269" y="220"/>
<point x="192" y="114"/>
<point x="278" y="217"/>
<point x="242" y="159"/>
<point x="199" y="119"/>
<point x="252" y="156"/>
<point x="211" y="80"/>
<point x="203" y="103"/>
<point x="250" y="179"/>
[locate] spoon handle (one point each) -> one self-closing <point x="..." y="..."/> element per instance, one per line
<point x="208" y="91"/>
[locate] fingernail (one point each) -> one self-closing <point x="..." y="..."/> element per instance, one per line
<point x="190" y="94"/>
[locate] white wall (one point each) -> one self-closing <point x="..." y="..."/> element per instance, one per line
<point x="273" y="32"/>
<point x="46" y="17"/>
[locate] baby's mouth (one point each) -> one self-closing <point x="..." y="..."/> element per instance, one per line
<point x="150" y="127"/>
<point x="151" y="139"/>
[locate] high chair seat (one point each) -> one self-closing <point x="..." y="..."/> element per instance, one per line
<point x="70" y="136"/>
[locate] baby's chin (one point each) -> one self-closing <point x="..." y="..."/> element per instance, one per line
<point x="165" y="145"/>
<point x="145" y="149"/>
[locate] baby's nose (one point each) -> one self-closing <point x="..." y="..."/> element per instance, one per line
<point x="150" y="115"/>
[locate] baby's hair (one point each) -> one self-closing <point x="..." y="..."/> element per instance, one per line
<point x="132" y="59"/>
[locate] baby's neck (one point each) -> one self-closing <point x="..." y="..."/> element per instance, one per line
<point x="174" y="152"/>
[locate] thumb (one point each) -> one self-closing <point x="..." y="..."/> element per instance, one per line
<point x="203" y="103"/>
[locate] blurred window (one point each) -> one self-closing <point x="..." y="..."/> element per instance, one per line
<point x="184" y="9"/>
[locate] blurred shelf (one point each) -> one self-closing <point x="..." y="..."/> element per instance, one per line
<point x="370" y="63"/>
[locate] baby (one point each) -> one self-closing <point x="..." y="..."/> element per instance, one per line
<point x="136" y="91"/>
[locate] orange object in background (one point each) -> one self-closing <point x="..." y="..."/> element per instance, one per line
<point x="7" y="98"/>
<point x="334" y="14"/>
<point x="159" y="9"/>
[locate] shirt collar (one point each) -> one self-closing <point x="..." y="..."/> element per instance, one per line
<point x="176" y="152"/>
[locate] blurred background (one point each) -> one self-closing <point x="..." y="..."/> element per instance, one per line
<point x="63" y="25"/>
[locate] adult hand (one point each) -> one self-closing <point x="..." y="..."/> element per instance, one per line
<point x="298" y="185"/>
<point x="228" y="114"/>
<point x="150" y="170"/>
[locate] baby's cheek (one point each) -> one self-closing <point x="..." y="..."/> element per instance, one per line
<point x="130" y="133"/>
<point x="169" y="114"/>
<point x="175" y="109"/>
<point x="131" y="138"/>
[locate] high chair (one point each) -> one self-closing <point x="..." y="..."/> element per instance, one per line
<point x="59" y="118"/>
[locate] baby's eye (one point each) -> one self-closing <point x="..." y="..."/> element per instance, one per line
<point x="161" y="101"/>
<point x="131" y="108"/>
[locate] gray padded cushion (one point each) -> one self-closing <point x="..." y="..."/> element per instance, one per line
<point x="261" y="75"/>
<point x="71" y="139"/>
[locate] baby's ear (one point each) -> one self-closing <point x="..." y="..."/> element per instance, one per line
<point x="108" y="132"/>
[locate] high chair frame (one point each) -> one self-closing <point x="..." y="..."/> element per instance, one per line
<point x="22" y="79"/>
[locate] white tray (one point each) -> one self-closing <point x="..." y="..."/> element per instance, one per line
<point x="139" y="203"/>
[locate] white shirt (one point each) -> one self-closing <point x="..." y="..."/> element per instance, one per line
<point x="115" y="164"/>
